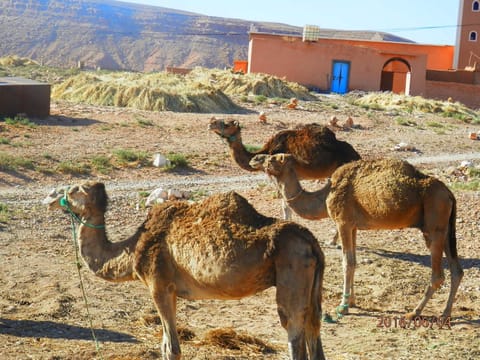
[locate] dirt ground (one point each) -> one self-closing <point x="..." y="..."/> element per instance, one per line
<point x="43" y="314"/>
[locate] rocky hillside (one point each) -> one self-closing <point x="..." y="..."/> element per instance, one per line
<point x="120" y="35"/>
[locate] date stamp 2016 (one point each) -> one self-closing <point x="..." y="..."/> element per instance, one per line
<point x="414" y="323"/>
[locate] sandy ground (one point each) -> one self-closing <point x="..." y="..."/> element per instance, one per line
<point x="43" y="314"/>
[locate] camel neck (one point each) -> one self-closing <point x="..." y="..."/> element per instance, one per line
<point x="309" y="205"/>
<point x="240" y="154"/>
<point x="110" y="261"/>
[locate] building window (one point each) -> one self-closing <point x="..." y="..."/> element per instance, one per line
<point x="473" y="36"/>
<point x="476" y="6"/>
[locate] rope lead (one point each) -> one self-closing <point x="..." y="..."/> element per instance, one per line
<point x="73" y="217"/>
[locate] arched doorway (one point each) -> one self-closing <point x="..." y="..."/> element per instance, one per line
<point x="396" y="76"/>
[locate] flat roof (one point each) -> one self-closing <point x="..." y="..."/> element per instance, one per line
<point x="6" y="81"/>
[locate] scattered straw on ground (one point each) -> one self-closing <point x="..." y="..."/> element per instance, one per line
<point x="184" y="333"/>
<point x="230" y="339"/>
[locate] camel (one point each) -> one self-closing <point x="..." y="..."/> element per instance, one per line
<point x="220" y="248"/>
<point x="316" y="149"/>
<point x="377" y="194"/>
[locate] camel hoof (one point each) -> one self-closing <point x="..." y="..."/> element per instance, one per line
<point x="411" y="315"/>
<point x="342" y="310"/>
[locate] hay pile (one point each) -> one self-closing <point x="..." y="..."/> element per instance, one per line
<point x="15" y="60"/>
<point x="249" y="84"/>
<point x="153" y="92"/>
<point x="411" y="104"/>
<point x="202" y="90"/>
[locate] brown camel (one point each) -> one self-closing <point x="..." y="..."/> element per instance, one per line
<point x="221" y="248"/>
<point x="316" y="149"/>
<point x="377" y="194"/>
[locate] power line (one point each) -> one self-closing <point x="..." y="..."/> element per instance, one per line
<point x="429" y="27"/>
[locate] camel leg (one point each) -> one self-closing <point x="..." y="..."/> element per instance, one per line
<point x="436" y="241"/>
<point x="456" y="275"/>
<point x="292" y="320"/>
<point x="347" y="236"/>
<point x="165" y="302"/>
<point x="334" y="239"/>
<point x="286" y="211"/>
<point x="351" y="298"/>
<point x="295" y="269"/>
<point x="315" y="350"/>
<point x="439" y="233"/>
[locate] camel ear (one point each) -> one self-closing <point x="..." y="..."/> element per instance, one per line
<point x="236" y="123"/>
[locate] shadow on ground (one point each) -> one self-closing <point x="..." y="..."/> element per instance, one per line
<point x="55" y="330"/>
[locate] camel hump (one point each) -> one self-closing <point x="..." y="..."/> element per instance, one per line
<point x="223" y="207"/>
<point x="230" y="207"/>
<point x="379" y="166"/>
<point x="310" y="136"/>
<point x="385" y="174"/>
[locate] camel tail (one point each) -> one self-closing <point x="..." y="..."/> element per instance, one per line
<point x="452" y="236"/>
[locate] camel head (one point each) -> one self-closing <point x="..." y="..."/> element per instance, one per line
<point x="273" y="165"/>
<point x="83" y="200"/>
<point x="227" y="129"/>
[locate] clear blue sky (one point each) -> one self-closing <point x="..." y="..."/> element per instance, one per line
<point x="423" y="21"/>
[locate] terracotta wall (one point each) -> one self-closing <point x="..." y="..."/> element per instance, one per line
<point x="310" y="63"/>
<point x="467" y="94"/>
<point x="460" y="76"/>
<point x="439" y="57"/>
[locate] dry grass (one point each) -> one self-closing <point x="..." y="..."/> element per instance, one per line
<point x="201" y="91"/>
<point x="415" y="104"/>
<point x="231" y="340"/>
<point x="14" y="60"/>
<point x="249" y="84"/>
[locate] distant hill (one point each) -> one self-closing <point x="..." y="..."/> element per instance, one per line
<point x="119" y="35"/>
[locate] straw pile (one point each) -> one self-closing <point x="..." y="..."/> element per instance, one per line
<point x="249" y="84"/>
<point x="202" y="91"/>
<point x="411" y="104"/>
<point x="14" y="60"/>
<point x="153" y="92"/>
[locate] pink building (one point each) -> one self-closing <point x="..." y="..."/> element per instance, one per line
<point x="376" y="63"/>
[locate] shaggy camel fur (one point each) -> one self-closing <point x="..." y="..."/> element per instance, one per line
<point x="316" y="149"/>
<point x="221" y="248"/>
<point x="377" y="194"/>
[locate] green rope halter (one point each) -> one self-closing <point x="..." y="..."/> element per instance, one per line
<point x="64" y="203"/>
<point x="230" y="138"/>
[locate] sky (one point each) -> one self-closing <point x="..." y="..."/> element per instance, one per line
<point x="423" y="21"/>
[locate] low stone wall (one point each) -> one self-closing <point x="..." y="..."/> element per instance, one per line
<point x="467" y="94"/>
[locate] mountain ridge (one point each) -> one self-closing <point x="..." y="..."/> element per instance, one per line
<point x="118" y="35"/>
